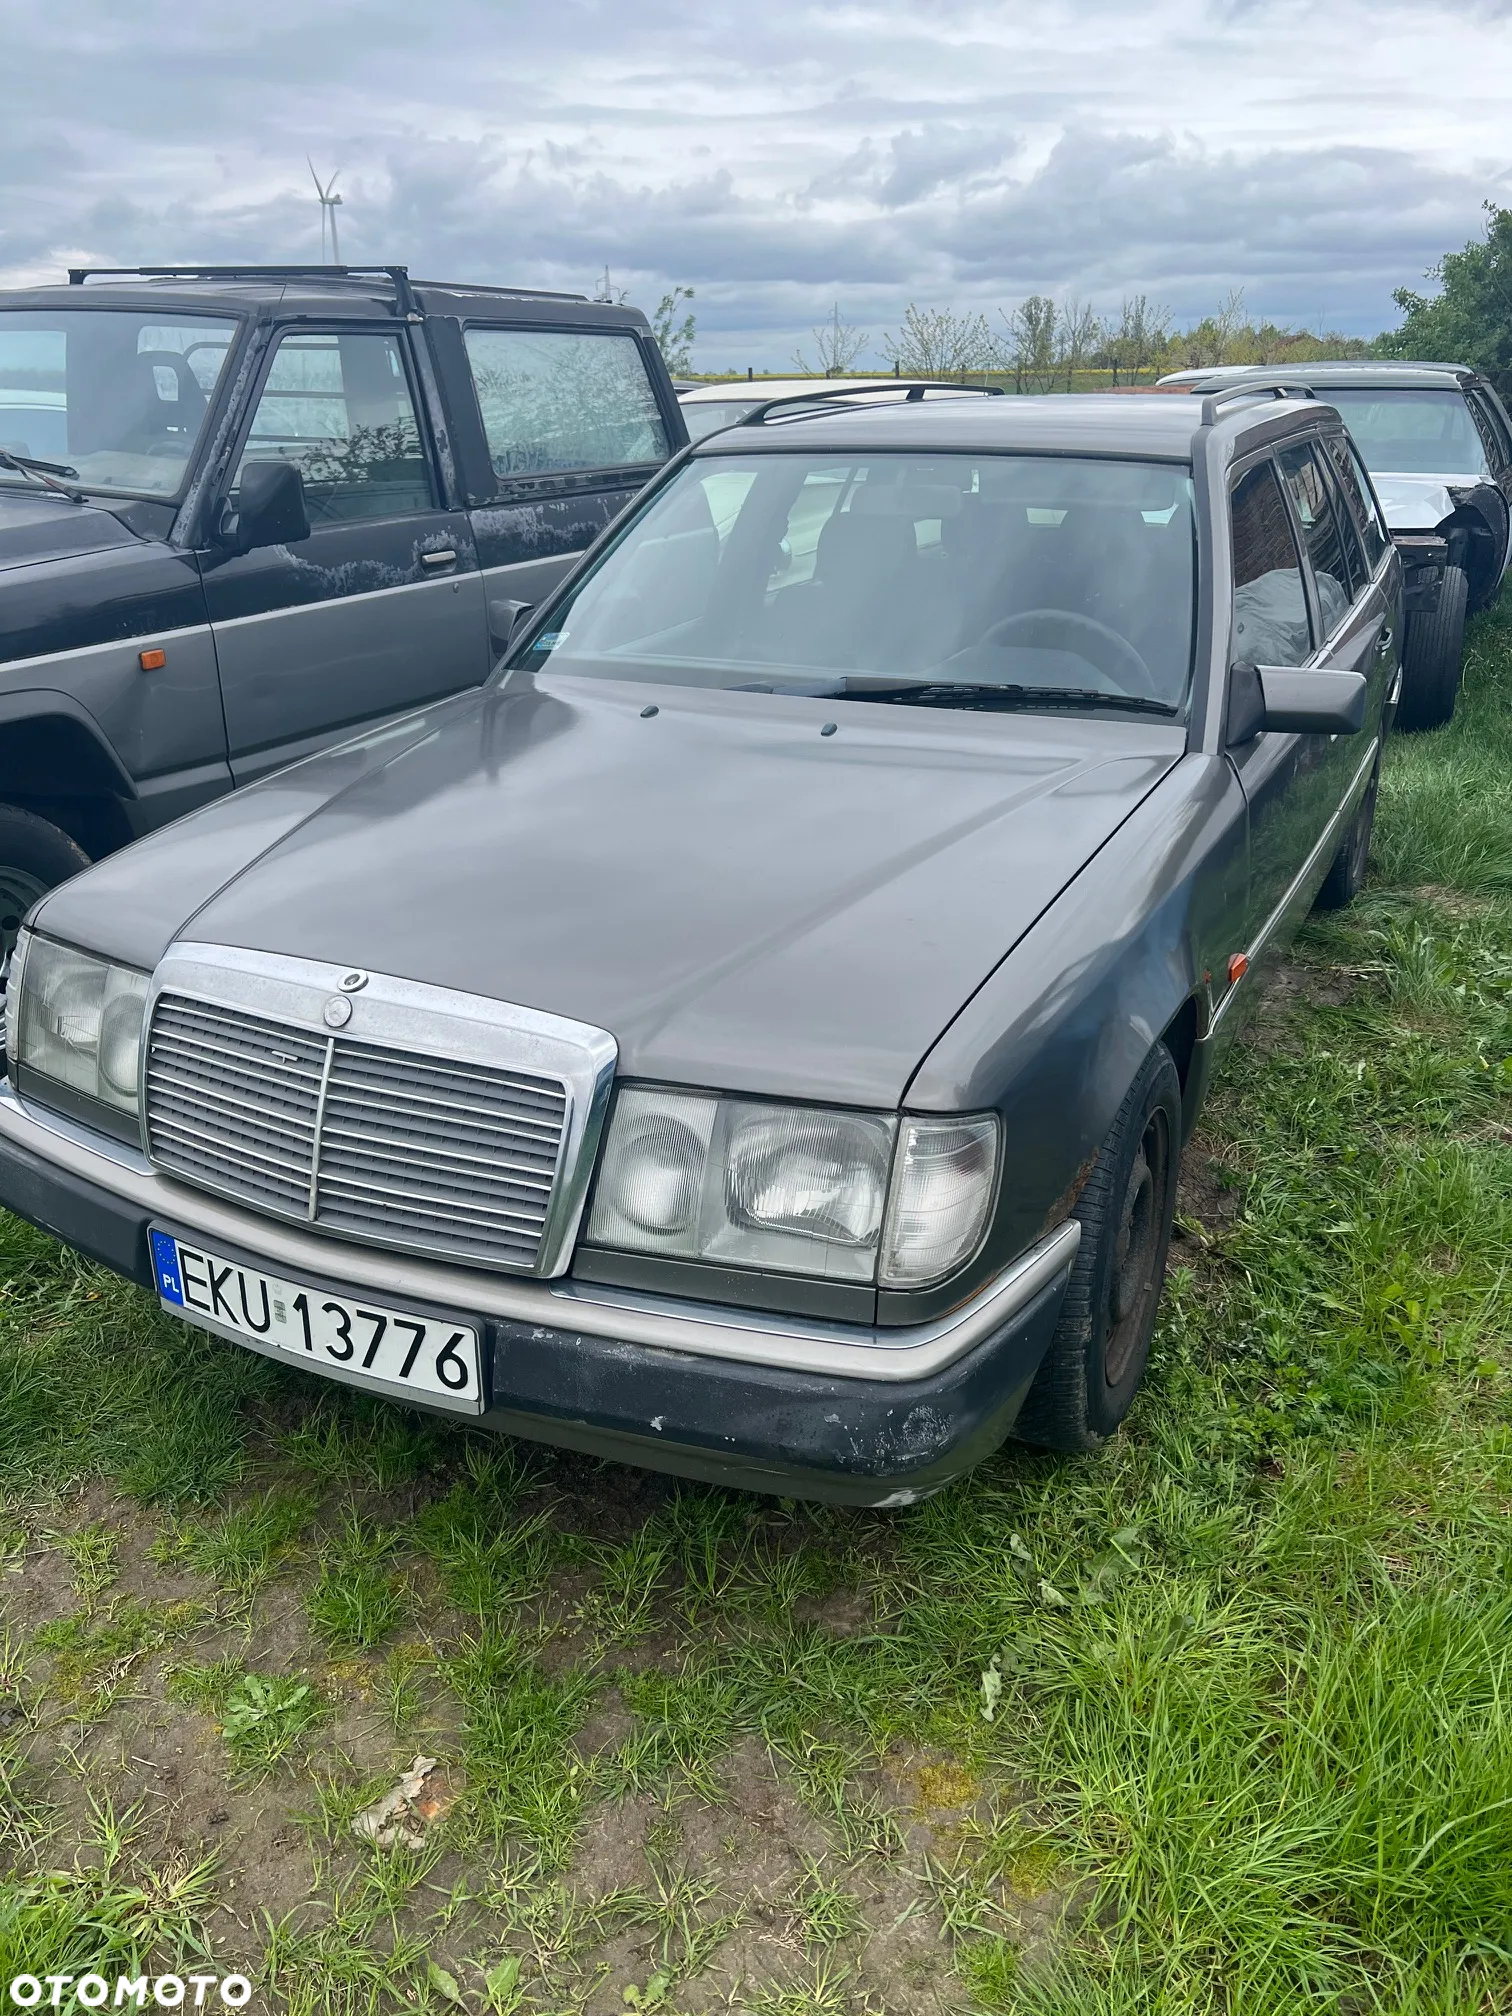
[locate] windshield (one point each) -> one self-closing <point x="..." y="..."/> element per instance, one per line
<point x="1038" y="576"/>
<point x="119" y="396"/>
<point x="1406" y="433"/>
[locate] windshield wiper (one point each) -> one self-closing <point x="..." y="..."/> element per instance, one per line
<point x="44" y="472"/>
<point x="951" y="693"/>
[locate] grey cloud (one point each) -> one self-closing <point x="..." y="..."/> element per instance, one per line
<point x="776" y="158"/>
<point x="939" y="157"/>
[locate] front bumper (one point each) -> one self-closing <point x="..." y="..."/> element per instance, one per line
<point x="809" y="1409"/>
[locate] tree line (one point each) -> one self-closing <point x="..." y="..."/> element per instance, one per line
<point x="1044" y="345"/>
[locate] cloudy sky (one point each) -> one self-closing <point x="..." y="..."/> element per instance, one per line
<point x="777" y="156"/>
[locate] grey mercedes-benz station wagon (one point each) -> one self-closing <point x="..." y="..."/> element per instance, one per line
<point x="753" y="1036"/>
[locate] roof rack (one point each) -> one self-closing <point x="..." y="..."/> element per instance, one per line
<point x="404" y="295"/>
<point x="917" y="387"/>
<point x="1277" y="388"/>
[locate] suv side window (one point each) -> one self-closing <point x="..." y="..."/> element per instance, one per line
<point x="1270" y="601"/>
<point x="1493" y="431"/>
<point x="1356" y="487"/>
<point x="339" y="408"/>
<point x="1320" y="530"/>
<point x="556" y="399"/>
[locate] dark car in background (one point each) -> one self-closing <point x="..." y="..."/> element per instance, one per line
<point x="245" y="512"/>
<point x="1438" y="444"/>
<point x="755" y="1035"/>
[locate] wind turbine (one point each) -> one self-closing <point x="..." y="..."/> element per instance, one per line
<point x="328" y="206"/>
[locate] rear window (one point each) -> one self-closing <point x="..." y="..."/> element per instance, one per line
<point x="1407" y="433"/>
<point x="712" y="416"/>
<point x="555" y="400"/>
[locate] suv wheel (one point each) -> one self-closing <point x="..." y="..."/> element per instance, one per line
<point x="1346" y="878"/>
<point x="34" y="857"/>
<point x="1101" y="1346"/>
<point x="1432" y="655"/>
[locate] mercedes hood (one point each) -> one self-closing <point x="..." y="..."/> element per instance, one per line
<point x="742" y="895"/>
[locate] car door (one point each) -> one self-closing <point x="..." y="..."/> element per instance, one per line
<point x="574" y="425"/>
<point x="381" y="607"/>
<point x="1368" y="538"/>
<point x="1352" y="613"/>
<point x="1272" y="625"/>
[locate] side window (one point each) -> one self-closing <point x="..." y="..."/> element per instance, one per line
<point x="1356" y="487"/>
<point x="1320" y="531"/>
<point x="1355" y="570"/>
<point x="1270" y="602"/>
<point x="339" y="408"/>
<point x="555" y="399"/>
<point x="1492" y="430"/>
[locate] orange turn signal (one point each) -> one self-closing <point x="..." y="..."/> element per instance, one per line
<point x="1238" y="966"/>
<point x="152" y="661"/>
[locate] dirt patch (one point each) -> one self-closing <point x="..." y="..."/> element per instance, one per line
<point x="1209" y="1194"/>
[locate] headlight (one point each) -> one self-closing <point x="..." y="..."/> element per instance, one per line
<point x="76" y="1022"/>
<point x="793" y="1189"/>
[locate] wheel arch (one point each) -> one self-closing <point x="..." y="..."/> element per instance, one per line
<point x="51" y="746"/>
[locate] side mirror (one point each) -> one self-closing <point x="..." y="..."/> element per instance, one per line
<point x="270" y="508"/>
<point x="505" y="617"/>
<point x="1294" y="702"/>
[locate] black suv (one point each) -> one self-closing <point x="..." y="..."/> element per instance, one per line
<point x="245" y="511"/>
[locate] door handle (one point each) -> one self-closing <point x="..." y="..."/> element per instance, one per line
<point x="445" y="558"/>
<point x="1385" y="641"/>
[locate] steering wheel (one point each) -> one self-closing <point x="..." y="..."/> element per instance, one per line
<point x="1114" y="656"/>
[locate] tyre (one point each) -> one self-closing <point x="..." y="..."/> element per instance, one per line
<point x="1346" y="877"/>
<point x="34" y="857"/>
<point x="1101" y="1345"/>
<point x="1432" y="655"/>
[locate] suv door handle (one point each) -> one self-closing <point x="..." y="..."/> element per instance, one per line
<point x="1384" y="641"/>
<point x="445" y="558"/>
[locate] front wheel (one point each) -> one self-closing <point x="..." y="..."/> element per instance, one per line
<point x="1101" y="1345"/>
<point x="35" y="856"/>
<point x="1433" y="652"/>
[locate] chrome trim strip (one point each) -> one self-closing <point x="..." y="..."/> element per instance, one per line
<point x="320" y="1105"/>
<point x="564" y="560"/>
<point x="337" y="601"/>
<point x="1348" y="806"/>
<point x="838" y="1350"/>
<point x="146" y="640"/>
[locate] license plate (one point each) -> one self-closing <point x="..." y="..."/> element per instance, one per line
<point x="395" y="1351"/>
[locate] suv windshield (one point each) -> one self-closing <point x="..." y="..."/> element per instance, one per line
<point x="1051" y="579"/>
<point x="1407" y="433"/>
<point x="119" y="396"/>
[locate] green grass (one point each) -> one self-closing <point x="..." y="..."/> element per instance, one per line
<point x="1215" y="1722"/>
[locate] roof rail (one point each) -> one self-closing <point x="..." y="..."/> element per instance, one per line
<point x="917" y="387"/>
<point x="398" y="276"/>
<point x="1277" y="388"/>
<point x="477" y="287"/>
